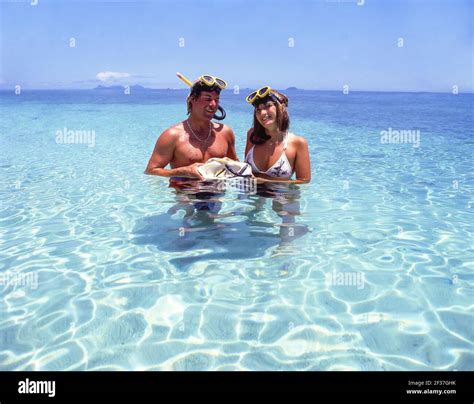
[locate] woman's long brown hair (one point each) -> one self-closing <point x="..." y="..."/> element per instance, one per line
<point x="283" y="119"/>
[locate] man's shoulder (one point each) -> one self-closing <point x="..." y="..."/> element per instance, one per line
<point x="173" y="132"/>
<point x="223" y="129"/>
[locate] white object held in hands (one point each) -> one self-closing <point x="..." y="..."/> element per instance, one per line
<point x="222" y="168"/>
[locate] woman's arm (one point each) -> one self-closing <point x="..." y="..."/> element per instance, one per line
<point x="248" y="144"/>
<point x="302" y="162"/>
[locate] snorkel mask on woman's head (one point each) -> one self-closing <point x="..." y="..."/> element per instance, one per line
<point x="206" y="83"/>
<point x="261" y="93"/>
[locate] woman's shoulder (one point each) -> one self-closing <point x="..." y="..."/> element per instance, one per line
<point x="249" y="136"/>
<point x="297" y="140"/>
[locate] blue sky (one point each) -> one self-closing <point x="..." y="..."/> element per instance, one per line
<point x="336" y="43"/>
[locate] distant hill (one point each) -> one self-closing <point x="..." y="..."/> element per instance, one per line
<point x="291" y="89"/>
<point x="138" y="87"/>
<point x="135" y="87"/>
<point x="108" y="88"/>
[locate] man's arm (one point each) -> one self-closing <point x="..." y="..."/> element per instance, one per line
<point x="162" y="156"/>
<point x="231" y="145"/>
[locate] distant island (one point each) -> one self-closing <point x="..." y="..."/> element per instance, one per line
<point x="135" y="87"/>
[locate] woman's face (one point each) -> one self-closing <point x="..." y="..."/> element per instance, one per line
<point x="266" y="114"/>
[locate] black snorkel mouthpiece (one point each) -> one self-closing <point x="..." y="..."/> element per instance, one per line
<point x="222" y="115"/>
<point x="198" y="87"/>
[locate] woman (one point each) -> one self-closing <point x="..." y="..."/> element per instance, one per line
<point x="273" y="152"/>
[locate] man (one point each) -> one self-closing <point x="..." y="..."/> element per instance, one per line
<point x="190" y="143"/>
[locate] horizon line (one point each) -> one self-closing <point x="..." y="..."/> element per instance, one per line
<point x="291" y="88"/>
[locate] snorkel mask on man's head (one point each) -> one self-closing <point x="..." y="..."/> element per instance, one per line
<point x="205" y="83"/>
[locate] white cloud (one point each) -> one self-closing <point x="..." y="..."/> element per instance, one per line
<point x="111" y="76"/>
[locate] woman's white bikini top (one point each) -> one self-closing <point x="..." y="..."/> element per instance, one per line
<point x="282" y="167"/>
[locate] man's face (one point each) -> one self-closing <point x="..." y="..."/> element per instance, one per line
<point x="206" y="104"/>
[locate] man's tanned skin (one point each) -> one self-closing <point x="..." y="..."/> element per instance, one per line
<point x="188" y="144"/>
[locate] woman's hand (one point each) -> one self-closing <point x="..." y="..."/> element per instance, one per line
<point x="261" y="180"/>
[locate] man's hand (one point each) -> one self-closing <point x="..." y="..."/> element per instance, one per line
<point x="191" y="171"/>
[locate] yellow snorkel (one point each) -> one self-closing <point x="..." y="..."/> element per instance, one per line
<point x="209" y="80"/>
<point x="181" y="77"/>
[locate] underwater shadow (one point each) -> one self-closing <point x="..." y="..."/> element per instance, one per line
<point x="195" y="226"/>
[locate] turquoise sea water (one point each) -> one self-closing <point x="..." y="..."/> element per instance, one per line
<point x="369" y="267"/>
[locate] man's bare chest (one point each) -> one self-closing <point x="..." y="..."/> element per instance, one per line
<point x="195" y="152"/>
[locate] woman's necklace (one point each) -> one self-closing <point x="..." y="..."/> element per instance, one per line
<point x="196" y="136"/>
